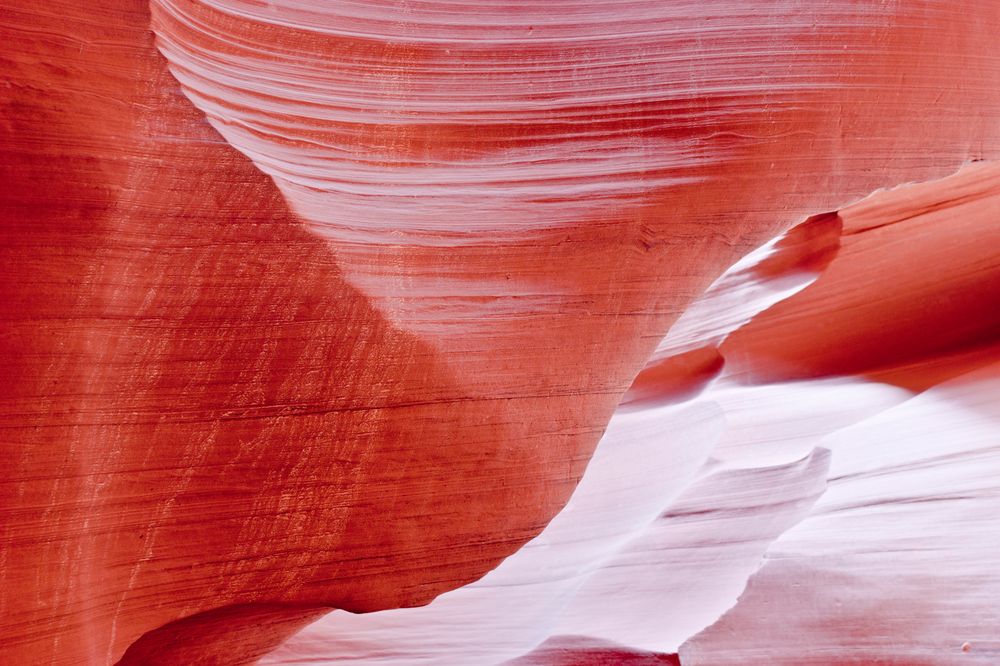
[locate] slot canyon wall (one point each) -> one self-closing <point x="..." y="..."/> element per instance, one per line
<point x="480" y="332"/>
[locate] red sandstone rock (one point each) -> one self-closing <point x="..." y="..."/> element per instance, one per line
<point x="329" y="307"/>
<point x="917" y="275"/>
<point x="893" y="495"/>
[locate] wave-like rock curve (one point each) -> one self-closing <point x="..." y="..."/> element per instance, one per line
<point x="313" y="305"/>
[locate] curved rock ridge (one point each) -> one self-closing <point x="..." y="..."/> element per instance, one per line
<point x="326" y="305"/>
<point x="860" y="511"/>
<point x="575" y="133"/>
<point x="943" y="270"/>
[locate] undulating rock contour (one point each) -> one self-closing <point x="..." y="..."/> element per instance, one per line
<point x="481" y="332"/>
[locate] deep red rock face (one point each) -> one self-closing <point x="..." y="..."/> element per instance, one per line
<point x="753" y="519"/>
<point x="325" y="305"/>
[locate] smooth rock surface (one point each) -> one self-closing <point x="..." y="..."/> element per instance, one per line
<point x="861" y="512"/>
<point x="325" y="305"/>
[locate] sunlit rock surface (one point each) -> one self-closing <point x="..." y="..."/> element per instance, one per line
<point x="314" y="306"/>
<point x="861" y="507"/>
